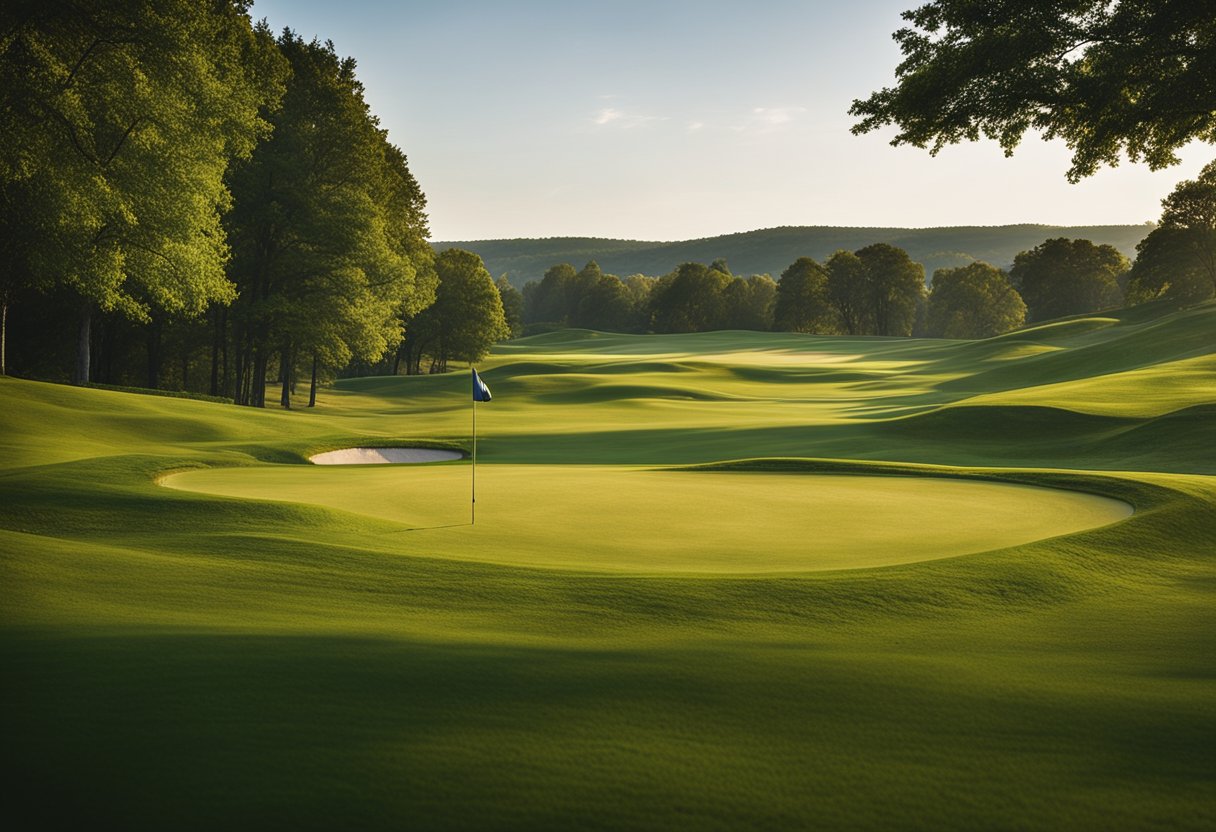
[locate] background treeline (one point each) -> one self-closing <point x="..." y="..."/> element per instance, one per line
<point x="880" y="290"/>
<point x="190" y="202"/>
<point x="769" y="250"/>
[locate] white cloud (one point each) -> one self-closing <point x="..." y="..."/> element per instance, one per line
<point x="608" y="115"/>
<point x="769" y="119"/>
<point x="613" y="117"/>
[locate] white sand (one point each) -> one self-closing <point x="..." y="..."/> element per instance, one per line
<point x="380" y="456"/>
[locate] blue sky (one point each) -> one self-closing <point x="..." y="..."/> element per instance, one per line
<point x="674" y="120"/>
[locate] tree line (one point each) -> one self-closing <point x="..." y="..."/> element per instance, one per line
<point x="189" y="201"/>
<point x="880" y="290"/>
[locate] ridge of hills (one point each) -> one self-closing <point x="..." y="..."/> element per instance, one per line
<point x="771" y="250"/>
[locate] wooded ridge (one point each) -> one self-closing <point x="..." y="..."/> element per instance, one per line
<point x="770" y="250"/>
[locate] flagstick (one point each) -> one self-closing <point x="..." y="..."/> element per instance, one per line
<point x="473" y="504"/>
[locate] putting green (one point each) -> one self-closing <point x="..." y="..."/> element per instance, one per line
<point x="631" y="519"/>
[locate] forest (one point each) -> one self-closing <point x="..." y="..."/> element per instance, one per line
<point x="237" y="219"/>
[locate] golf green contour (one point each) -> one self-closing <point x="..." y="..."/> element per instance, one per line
<point x="716" y="581"/>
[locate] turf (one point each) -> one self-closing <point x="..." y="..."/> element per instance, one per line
<point x="674" y="521"/>
<point x="621" y="646"/>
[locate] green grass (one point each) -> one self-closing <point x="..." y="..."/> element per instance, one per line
<point x="617" y="644"/>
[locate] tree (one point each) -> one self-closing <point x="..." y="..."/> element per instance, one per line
<point x="1062" y="277"/>
<point x="606" y="305"/>
<point x="1109" y="77"/>
<point x="895" y="287"/>
<point x="803" y="302"/>
<point x="328" y="231"/>
<point x="750" y="302"/>
<point x="849" y="291"/>
<point x="119" y="121"/>
<point x="466" y="318"/>
<point x="512" y="306"/>
<point x="548" y="301"/>
<point x="690" y="299"/>
<point x="1178" y="258"/>
<point x="973" y="301"/>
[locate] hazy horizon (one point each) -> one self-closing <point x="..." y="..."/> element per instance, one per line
<point x="1148" y="223"/>
<point x="670" y="121"/>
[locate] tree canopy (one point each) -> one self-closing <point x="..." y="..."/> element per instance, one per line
<point x="466" y="318"/>
<point x="973" y="301"/>
<point x="119" y="122"/>
<point x="328" y="229"/>
<point x="1178" y="258"/>
<point x="803" y="303"/>
<point x="1109" y="77"/>
<point x="1062" y="277"/>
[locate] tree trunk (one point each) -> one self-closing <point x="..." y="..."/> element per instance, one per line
<point x="80" y="373"/>
<point x="3" y="334"/>
<point x="154" y="340"/>
<point x="312" y="390"/>
<point x="285" y="378"/>
<point x="224" y="349"/>
<point x="214" y="387"/>
<point x="257" y="393"/>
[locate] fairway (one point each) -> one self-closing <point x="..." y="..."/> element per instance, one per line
<point x="725" y="580"/>
<point x="621" y="519"/>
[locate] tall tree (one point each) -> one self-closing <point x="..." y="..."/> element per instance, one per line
<point x="750" y="302"/>
<point x="548" y="301"/>
<point x="328" y="231"/>
<point x="973" y="301"/>
<point x="896" y="285"/>
<point x="466" y="318"/>
<point x="848" y="288"/>
<point x="1062" y="277"/>
<point x="803" y="302"/>
<point x="512" y="306"/>
<point x="120" y="120"/>
<point x="1178" y="258"/>
<point x="1109" y="77"/>
<point x="690" y="299"/>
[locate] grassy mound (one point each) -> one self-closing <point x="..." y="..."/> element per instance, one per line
<point x="201" y="660"/>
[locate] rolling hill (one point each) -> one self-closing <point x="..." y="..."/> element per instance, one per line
<point x="727" y="580"/>
<point x="769" y="251"/>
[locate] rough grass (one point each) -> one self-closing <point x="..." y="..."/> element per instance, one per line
<point x="178" y="659"/>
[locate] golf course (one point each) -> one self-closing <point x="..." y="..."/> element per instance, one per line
<point x="736" y="580"/>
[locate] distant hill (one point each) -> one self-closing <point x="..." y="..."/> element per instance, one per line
<point x="770" y="250"/>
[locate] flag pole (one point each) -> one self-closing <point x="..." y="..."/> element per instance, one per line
<point x="473" y="504"/>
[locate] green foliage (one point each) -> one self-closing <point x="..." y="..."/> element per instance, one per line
<point x="895" y="287"/>
<point x="1177" y="259"/>
<point x="1109" y="78"/>
<point x="770" y="250"/>
<point x="512" y="306"/>
<point x="1061" y="277"/>
<point x="690" y="299"/>
<point x="849" y="291"/>
<point x="750" y="302"/>
<point x="803" y="302"/>
<point x="120" y="120"/>
<point x="328" y="230"/>
<point x="466" y="318"/>
<point x="975" y="301"/>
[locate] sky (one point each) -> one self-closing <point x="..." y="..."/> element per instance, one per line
<point x="673" y="120"/>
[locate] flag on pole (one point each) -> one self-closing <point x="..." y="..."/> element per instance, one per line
<point x="481" y="393"/>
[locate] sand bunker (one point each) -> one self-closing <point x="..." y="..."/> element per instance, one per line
<point x="382" y="456"/>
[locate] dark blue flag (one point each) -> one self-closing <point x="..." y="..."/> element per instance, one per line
<point x="481" y="393"/>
